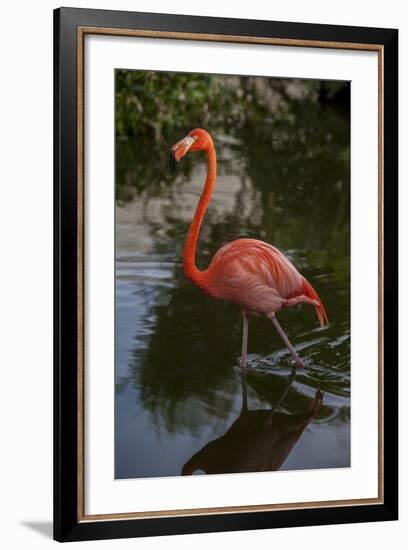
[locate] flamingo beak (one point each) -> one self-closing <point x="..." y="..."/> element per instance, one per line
<point x="179" y="150"/>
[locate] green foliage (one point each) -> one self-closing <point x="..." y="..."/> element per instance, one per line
<point x="154" y="110"/>
<point x="253" y="115"/>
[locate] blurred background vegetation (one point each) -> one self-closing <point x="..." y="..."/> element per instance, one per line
<point x="254" y="116"/>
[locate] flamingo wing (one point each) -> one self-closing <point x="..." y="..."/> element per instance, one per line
<point x="259" y="278"/>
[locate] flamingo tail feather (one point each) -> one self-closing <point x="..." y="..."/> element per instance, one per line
<point x="312" y="294"/>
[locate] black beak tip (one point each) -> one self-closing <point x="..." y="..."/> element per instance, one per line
<point x="173" y="162"/>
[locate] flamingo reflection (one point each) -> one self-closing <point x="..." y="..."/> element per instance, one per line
<point x="259" y="440"/>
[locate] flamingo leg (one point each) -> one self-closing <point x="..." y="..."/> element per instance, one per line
<point x="244" y="340"/>
<point x="287" y="343"/>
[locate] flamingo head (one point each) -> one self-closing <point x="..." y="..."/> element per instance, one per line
<point x="196" y="140"/>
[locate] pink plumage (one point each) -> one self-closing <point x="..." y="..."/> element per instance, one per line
<point x="257" y="277"/>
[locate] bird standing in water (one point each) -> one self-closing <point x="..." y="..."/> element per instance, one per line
<point x="250" y="273"/>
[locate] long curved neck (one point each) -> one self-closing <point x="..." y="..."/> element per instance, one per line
<point x="190" y="268"/>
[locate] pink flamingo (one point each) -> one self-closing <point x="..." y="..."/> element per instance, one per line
<point x="252" y="274"/>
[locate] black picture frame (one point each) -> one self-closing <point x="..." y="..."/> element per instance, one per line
<point x="67" y="525"/>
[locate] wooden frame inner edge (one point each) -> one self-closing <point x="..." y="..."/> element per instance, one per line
<point x="81" y="32"/>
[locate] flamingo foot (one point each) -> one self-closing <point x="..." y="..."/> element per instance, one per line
<point x="243" y="363"/>
<point x="300" y="363"/>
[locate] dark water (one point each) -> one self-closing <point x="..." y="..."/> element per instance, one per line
<point x="181" y="403"/>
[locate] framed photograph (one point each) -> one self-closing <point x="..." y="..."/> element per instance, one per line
<point x="225" y="274"/>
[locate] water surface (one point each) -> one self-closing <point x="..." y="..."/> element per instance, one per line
<point x="181" y="403"/>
